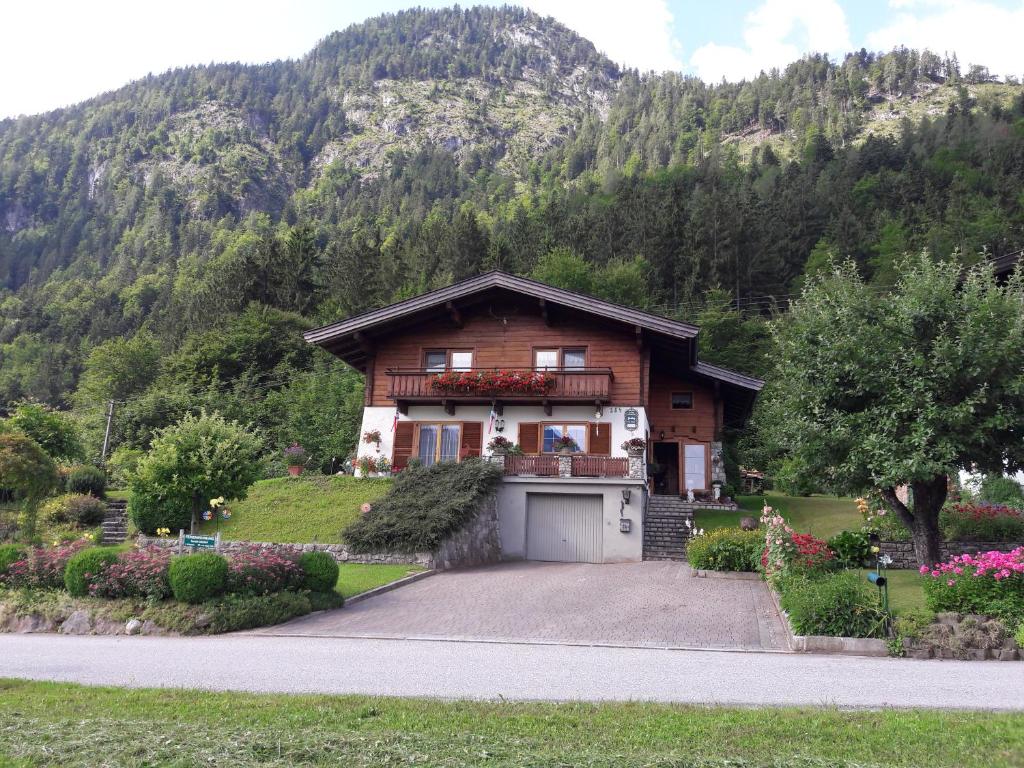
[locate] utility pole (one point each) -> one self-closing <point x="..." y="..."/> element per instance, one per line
<point x="106" y="434"/>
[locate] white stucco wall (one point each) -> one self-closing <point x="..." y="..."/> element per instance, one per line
<point x="382" y="418"/>
<point x="617" y="547"/>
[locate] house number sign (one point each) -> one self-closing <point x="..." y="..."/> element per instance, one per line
<point x="631" y="419"/>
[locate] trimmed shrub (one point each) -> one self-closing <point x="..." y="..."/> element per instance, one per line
<point x="234" y="612"/>
<point x="255" y="571"/>
<point x="148" y="512"/>
<point x="835" y="604"/>
<point x="990" y="583"/>
<point x="76" y="509"/>
<point x="726" y="549"/>
<point x="199" y="577"/>
<point x="88" y="479"/>
<point x="9" y="553"/>
<point x="43" y="567"/>
<point x="137" y="573"/>
<point x="981" y="522"/>
<point x="86" y="566"/>
<point x="424" y="506"/>
<point x="320" y="571"/>
<point x="851" y="549"/>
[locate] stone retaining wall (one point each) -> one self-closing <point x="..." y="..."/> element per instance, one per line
<point x="339" y="552"/>
<point x="475" y="544"/>
<point x="902" y="552"/>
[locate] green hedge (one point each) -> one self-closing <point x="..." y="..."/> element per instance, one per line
<point x="726" y="549"/>
<point x="148" y="512"/>
<point x="88" y="479"/>
<point x="82" y="567"/>
<point x="197" y="578"/>
<point x="424" y="506"/>
<point x="320" y="571"/>
<point x="835" y="604"/>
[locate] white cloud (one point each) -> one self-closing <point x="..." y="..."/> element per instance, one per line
<point x="639" y="36"/>
<point x="979" y="32"/>
<point x="768" y="36"/>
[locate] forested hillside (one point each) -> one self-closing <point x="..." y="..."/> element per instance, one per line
<point x="165" y="244"/>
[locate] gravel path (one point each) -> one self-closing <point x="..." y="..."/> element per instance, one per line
<point x="482" y="670"/>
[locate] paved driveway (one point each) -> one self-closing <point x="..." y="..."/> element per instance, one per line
<point x="651" y="604"/>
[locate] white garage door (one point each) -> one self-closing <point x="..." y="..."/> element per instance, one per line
<point x="563" y="527"/>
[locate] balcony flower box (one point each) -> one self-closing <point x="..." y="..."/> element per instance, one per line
<point x="500" y="382"/>
<point x="635" y="446"/>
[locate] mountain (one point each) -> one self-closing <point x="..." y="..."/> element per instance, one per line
<point x="157" y="240"/>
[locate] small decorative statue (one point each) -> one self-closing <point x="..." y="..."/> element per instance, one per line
<point x="716" y="491"/>
<point x="689" y="495"/>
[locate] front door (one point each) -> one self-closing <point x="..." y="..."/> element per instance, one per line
<point x="666" y="474"/>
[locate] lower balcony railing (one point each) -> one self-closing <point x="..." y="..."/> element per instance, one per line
<point x="581" y="465"/>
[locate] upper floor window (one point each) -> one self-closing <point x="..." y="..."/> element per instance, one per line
<point x="682" y="401"/>
<point x="568" y="358"/>
<point x="448" y="359"/>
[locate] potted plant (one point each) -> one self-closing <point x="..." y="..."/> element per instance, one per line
<point x="372" y="436"/>
<point x="499" y="445"/>
<point x="383" y="466"/>
<point x="367" y="466"/>
<point x="565" y="445"/>
<point x="295" y="457"/>
<point x="634" y="446"/>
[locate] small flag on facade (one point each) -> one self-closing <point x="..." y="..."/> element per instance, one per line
<point x="394" y="422"/>
<point x="490" y="422"/>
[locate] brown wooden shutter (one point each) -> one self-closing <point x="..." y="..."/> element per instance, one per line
<point x="472" y="435"/>
<point x="600" y="440"/>
<point x="403" y="444"/>
<point x="529" y="437"/>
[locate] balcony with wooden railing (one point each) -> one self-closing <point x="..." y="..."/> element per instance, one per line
<point x="582" y="465"/>
<point x="420" y="385"/>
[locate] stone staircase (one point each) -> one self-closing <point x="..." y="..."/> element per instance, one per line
<point x="665" y="530"/>
<point x="115" y="523"/>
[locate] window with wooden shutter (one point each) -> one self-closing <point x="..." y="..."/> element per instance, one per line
<point x="472" y="435"/>
<point x="529" y="437"/>
<point x="403" y="445"/>
<point x="600" y="443"/>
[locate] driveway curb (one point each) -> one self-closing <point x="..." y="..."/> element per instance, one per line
<point x="389" y="587"/>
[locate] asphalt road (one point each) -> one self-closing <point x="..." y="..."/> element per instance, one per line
<point x="475" y="670"/>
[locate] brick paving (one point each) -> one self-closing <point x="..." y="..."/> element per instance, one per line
<point x="650" y="604"/>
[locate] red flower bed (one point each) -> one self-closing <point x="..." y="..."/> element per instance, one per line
<point x="137" y="573"/>
<point x="43" y="567"/>
<point x="982" y="522"/>
<point x="494" y="382"/>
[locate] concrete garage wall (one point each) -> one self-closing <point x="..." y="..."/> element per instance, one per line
<point x="617" y="547"/>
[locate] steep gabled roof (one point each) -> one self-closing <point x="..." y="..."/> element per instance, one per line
<point x="727" y="376"/>
<point x="501" y="280"/>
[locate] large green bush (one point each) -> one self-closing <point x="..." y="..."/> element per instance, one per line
<point x="424" y="506"/>
<point x="54" y="431"/>
<point x="851" y="549"/>
<point x="74" y="509"/>
<point x="320" y="571"/>
<point x="85" y="566"/>
<point x="1000" y="489"/>
<point x="199" y="577"/>
<point x="28" y="471"/>
<point x="86" y="478"/>
<point x="836" y="604"/>
<point x="198" y="459"/>
<point x="9" y="553"/>
<point x="726" y="549"/>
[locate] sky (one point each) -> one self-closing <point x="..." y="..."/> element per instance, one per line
<point x="58" y="52"/>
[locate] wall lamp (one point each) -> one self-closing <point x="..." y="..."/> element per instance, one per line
<point x="499" y="425"/>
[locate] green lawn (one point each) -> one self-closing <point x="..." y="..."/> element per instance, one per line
<point x="905" y="591"/>
<point x="354" y="578"/>
<point x="71" y="725"/>
<point x="823" y="516"/>
<point x="299" y="509"/>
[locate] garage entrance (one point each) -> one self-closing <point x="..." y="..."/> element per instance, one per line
<point x="564" y="527"/>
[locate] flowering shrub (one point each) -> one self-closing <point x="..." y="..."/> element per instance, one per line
<point x="882" y="522"/>
<point x="295" y="455"/>
<point x="634" y="444"/>
<point x="371" y="436"/>
<point x="990" y="583"/>
<point x="43" y="567"/>
<point x="787" y="552"/>
<point x="137" y="573"/>
<point x="982" y="522"/>
<point x="494" y="382"/>
<point x="367" y="464"/>
<point x="255" y="571"/>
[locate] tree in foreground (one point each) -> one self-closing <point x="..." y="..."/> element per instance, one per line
<point x="198" y="459"/>
<point x="28" y="470"/>
<point x="877" y="391"/>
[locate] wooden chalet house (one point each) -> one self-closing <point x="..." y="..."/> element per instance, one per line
<point x="500" y="355"/>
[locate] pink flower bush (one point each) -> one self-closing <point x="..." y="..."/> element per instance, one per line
<point x="137" y="573"/>
<point x="256" y="571"/>
<point x="990" y="583"/>
<point x="43" y="567"/>
<point x="787" y="551"/>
